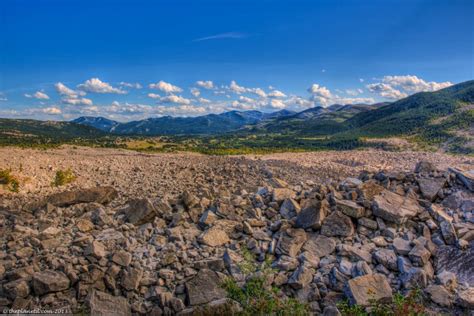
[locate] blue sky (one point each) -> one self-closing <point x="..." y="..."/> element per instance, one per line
<point x="133" y="59"/>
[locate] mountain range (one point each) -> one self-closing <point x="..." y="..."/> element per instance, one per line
<point x="444" y="117"/>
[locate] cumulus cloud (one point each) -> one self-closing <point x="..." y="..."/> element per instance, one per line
<point x="195" y="92"/>
<point x="386" y="91"/>
<point x="154" y="96"/>
<point x="95" y="85"/>
<point x="234" y="87"/>
<point x="354" y="92"/>
<point x="397" y="87"/>
<point x="175" y="99"/>
<point x="205" y="84"/>
<point x="135" y="85"/>
<point x="165" y="87"/>
<point x="77" y="101"/>
<point x="52" y="110"/>
<point x="276" y="94"/>
<point x="61" y="89"/>
<point x="322" y="96"/>
<point x="277" y="104"/>
<point x="37" y="95"/>
<point x="259" y="92"/>
<point x="203" y="100"/>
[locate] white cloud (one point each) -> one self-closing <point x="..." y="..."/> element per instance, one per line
<point x="234" y="87"/>
<point x="276" y="94"/>
<point x="322" y="96"/>
<point x="397" y="87"/>
<point x="154" y="96"/>
<point x="386" y="91"/>
<point x="135" y="85"/>
<point x="95" y="85"/>
<point x="205" y="84"/>
<point x="277" y="104"/>
<point x="77" y="101"/>
<point x="195" y="92"/>
<point x="258" y="92"/>
<point x="65" y="91"/>
<point x="414" y="84"/>
<point x="175" y="99"/>
<point x="165" y="87"/>
<point x="203" y="100"/>
<point x="37" y="95"/>
<point x="52" y="111"/>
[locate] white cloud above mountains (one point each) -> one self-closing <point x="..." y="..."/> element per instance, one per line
<point x="165" y="87"/>
<point x="95" y="85"/>
<point x="205" y="96"/>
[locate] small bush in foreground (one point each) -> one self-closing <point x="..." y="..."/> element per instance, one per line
<point x="410" y="305"/>
<point x="9" y="181"/>
<point x="63" y="177"/>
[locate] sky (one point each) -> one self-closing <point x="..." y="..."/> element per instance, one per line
<point x="129" y="60"/>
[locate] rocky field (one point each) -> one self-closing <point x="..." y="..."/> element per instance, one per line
<point x="306" y="233"/>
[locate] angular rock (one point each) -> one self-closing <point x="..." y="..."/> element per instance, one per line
<point x="139" y="212"/>
<point x="448" y="232"/>
<point x="131" y="278"/>
<point x="291" y="241"/>
<point x="363" y="289"/>
<point x="439" y="295"/>
<point x="465" y="176"/>
<point x="103" y="304"/>
<point x="122" y="258"/>
<point x="301" y="277"/>
<point x="369" y="189"/>
<point x="281" y="194"/>
<point x="350" y="208"/>
<point x="313" y="215"/>
<point x="424" y="166"/>
<point x="289" y="208"/>
<point x="205" y="287"/>
<point x="319" y="245"/>
<point x="419" y="255"/>
<point x="465" y="298"/>
<point x="387" y="258"/>
<point x="401" y="246"/>
<point x="102" y="195"/>
<point x="214" y="236"/>
<point x="460" y="262"/>
<point x="96" y="249"/>
<point x="430" y="187"/>
<point x="395" y="208"/>
<point x="337" y="224"/>
<point x="49" y="281"/>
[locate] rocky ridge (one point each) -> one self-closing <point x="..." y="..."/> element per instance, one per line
<point x="361" y="238"/>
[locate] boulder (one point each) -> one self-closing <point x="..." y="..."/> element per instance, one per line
<point x="319" y="245"/>
<point x="361" y="290"/>
<point x="100" y="195"/>
<point x="448" y="232"/>
<point x="203" y="288"/>
<point x="96" y="249"/>
<point x="139" y="212"/>
<point x="122" y="258"/>
<point x="395" y="208"/>
<point x="350" y="208"/>
<point x="131" y="278"/>
<point x="281" y="194"/>
<point x="465" y="176"/>
<point x="439" y="295"/>
<point x="401" y="246"/>
<point x="301" y="277"/>
<point x="387" y="258"/>
<point x="291" y="241"/>
<point x="214" y="236"/>
<point x="465" y="298"/>
<point x="49" y="281"/>
<point x="460" y="262"/>
<point x="289" y="208"/>
<point x="424" y="166"/>
<point x="337" y="224"/>
<point x="313" y="215"/>
<point x="419" y="255"/>
<point x="103" y="304"/>
<point x="369" y="189"/>
<point x="430" y="187"/>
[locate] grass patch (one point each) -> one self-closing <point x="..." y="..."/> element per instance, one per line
<point x="9" y="181"/>
<point x="410" y="305"/>
<point x="63" y="177"/>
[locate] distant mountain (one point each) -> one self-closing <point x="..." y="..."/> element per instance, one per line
<point x="14" y="131"/>
<point x="168" y="125"/>
<point x="101" y="123"/>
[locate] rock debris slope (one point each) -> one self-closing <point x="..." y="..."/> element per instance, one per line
<point x="361" y="238"/>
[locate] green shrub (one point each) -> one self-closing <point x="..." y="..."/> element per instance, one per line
<point x="410" y="305"/>
<point x="9" y="181"/>
<point x="63" y="177"/>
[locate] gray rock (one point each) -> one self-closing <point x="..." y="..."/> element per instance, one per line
<point x="100" y="195"/>
<point x="419" y="255"/>
<point x="401" y="246"/>
<point x="430" y="187"/>
<point x="291" y="241"/>
<point x="301" y="277"/>
<point x="440" y="295"/>
<point x="49" y="281"/>
<point x="465" y="176"/>
<point x="131" y="278"/>
<point x="313" y="215"/>
<point x="460" y="262"/>
<point x="424" y="166"/>
<point x="289" y="208"/>
<point x="337" y="224"/>
<point x="448" y="232"/>
<point x="387" y="258"/>
<point x="466" y="298"/>
<point x="363" y="289"/>
<point x="204" y="288"/>
<point x="395" y="208"/>
<point x="319" y="245"/>
<point x="139" y="212"/>
<point x="103" y="304"/>
<point x="350" y="208"/>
